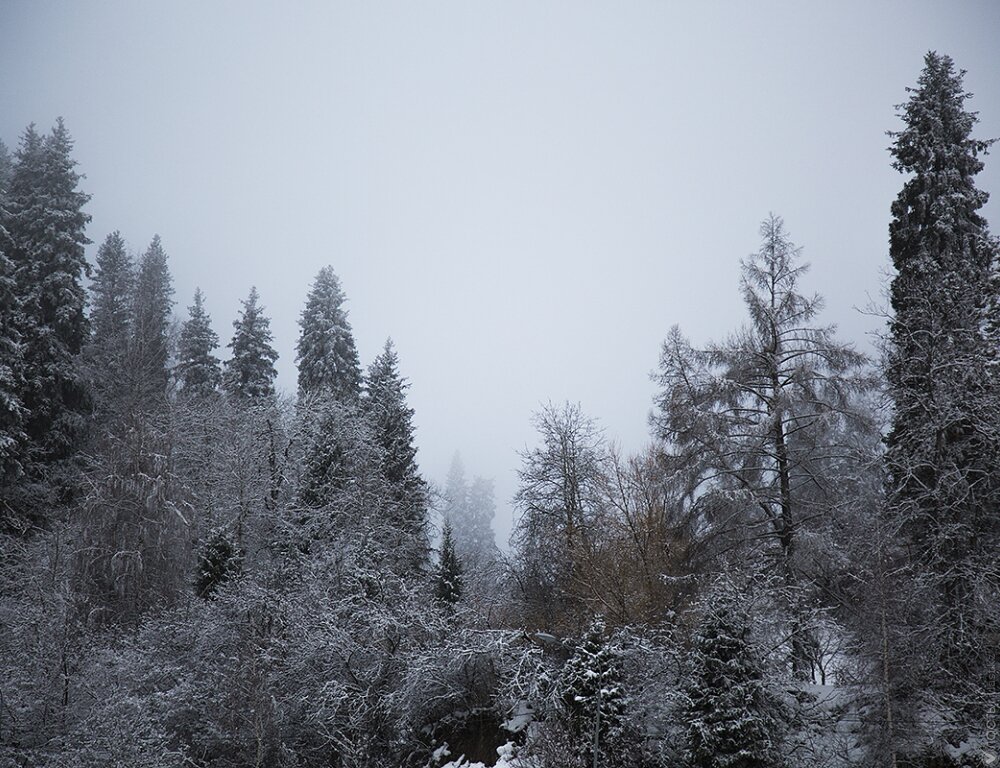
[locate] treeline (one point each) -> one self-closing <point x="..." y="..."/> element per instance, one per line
<point x="800" y="570"/>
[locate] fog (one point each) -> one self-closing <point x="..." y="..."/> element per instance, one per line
<point x="524" y="196"/>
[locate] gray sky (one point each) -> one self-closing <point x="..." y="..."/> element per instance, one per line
<point x="524" y="195"/>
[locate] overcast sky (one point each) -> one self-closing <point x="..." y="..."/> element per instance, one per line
<point x="525" y="196"/>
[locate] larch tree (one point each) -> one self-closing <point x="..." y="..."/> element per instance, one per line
<point x="249" y="374"/>
<point x="325" y="353"/>
<point x="198" y="370"/>
<point x="759" y="420"/>
<point x="943" y="450"/>
<point x="45" y="239"/>
<point x="385" y="406"/>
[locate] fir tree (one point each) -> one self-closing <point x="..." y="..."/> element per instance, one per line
<point x="197" y="368"/>
<point x="151" y="314"/>
<point x="943" y="451"/>
<point x="111" y="319"/>
<point x="386" y="409"/>
<point x="326" y="355"/>
<point x="448" y="578"/>
<point x="249" y="373"/>
<point x="45" y="226"/>
<point x="730" y="718"/>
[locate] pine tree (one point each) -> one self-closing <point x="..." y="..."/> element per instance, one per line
<point x="385" y="407"/>
<point x="943" y="450"/>
<point x="151" y="315"/>
<point x="326" y="355"/>
<point x="45" y="226"/>
<point x="448" y="578"/>
<point x="730" y="718"/>
<point x="197" y="368"/>
<point x="250" y="373"/>
<point x="112" y="295"/>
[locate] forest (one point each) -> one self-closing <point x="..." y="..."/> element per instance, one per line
<point x="800" y="570"/>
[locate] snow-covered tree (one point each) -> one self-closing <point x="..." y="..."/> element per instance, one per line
<point x="560" y="497"/>
<point x="763" y="420"/>
<point x="943" y="451"/>
<point x="219" y="560"/>
<point x="112" y="295"/>
<point x="45" y="240"/>
<point x="197" y="369"/>
<point x="151" y="317"/>
<point x="384" y="405"/>
<point x="730" y="718"/>
<point x="593" y="702"/>
<point x="448" y="575"/>
<point x="326" y="355"/>
<point x="12" y="412"/>
<point x="249" y="373"/>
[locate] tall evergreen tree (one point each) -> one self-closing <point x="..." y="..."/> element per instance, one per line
<point x="249" y="373"/>
<point x="6" y="171"/>
<point x="12" y="412"/>
<point x="45" y="225"/>
<point x="326" y="355"/>
<point x="456" y="492"/>
<point x="151" y="315"/>
<point x="111" y="320"/>
<point x="197" y="368"/>
<point x="943" y="454"/>
<point x="385" y="406"/>
<point x="474" y="537"/>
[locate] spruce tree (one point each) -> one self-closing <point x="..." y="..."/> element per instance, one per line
<point x="730" y="719"/>
<point x="111" y="320"/>
<point x="448" y="578"/>
<point x="6" y="171"/>
<point x="474" y="537"/>
<point x="326" y="355"/>
<point x="197" y="368"/>
<point x="249" y="373"/>
<point x="593" y="702"/>
<point x="151" y="315"/>
<point x="943" y="450"/>
<point x="12" y="412"/>
<point x="456" y="493"/>
<point x="386" y="409"/>
<point x="45" y="236"/>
